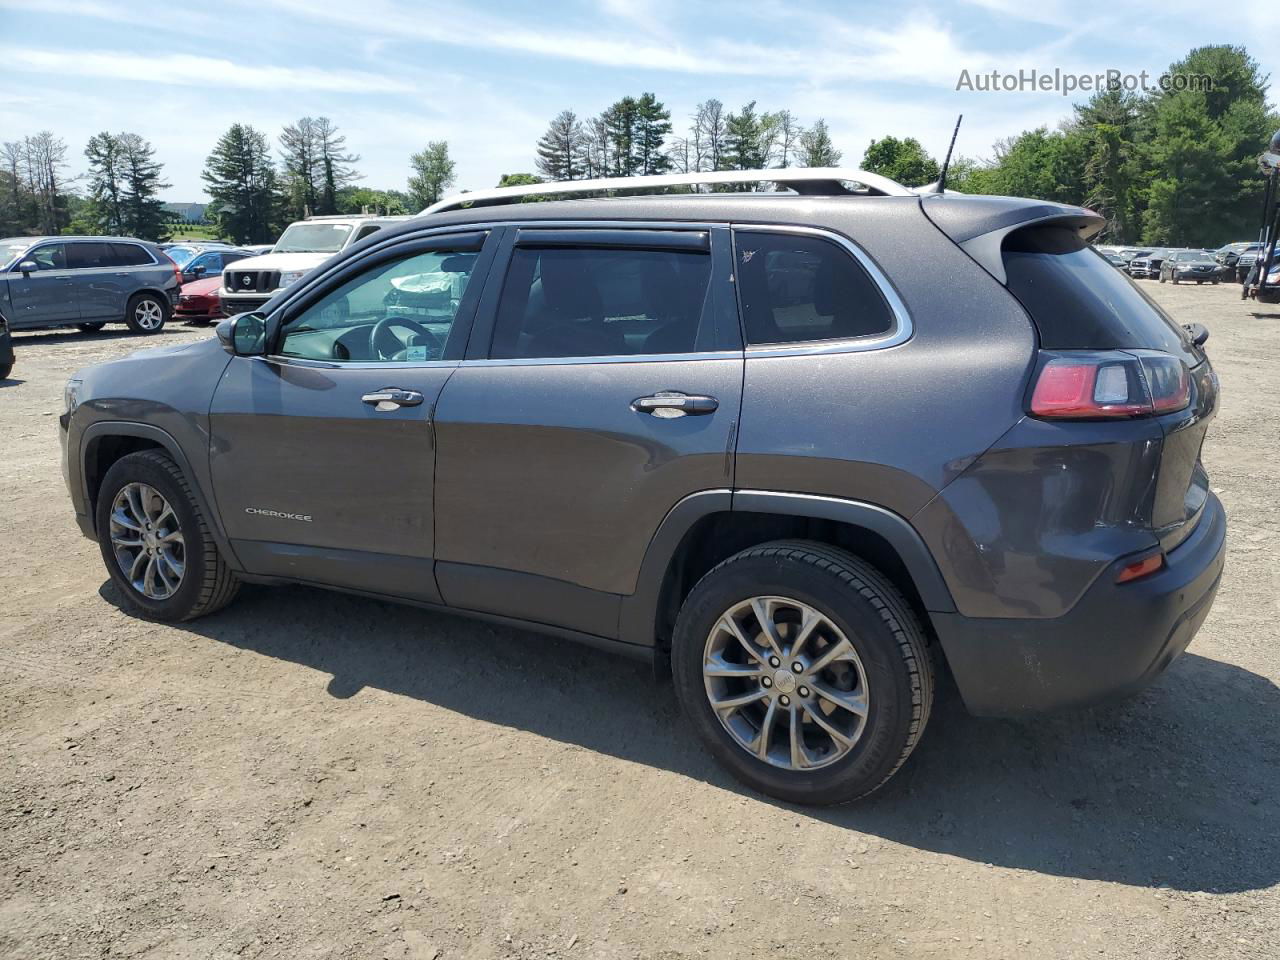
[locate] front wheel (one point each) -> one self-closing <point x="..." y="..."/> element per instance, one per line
<point x="146" y="313"/>
<point x="803" y="670"/>
<point x="5" y="370"/>
<point x="155" y="542"/>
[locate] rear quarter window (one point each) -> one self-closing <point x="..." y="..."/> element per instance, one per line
<point x="1080" y="302"/>
<point x="796" y="289"/>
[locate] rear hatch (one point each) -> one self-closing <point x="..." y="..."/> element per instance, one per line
<point x="1079" y="304"/>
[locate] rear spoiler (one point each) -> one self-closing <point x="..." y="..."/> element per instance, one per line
<point x="979" y="225"/>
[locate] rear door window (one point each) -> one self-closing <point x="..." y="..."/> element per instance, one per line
<point x="89" y="255"/>
<point x="795" y="288"/>
<point x="584" y="301"/>
<point x="1078" y="302"/>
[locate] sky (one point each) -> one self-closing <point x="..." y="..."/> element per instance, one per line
<point x="488" y="77"/>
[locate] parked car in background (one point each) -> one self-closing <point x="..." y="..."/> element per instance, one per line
<point x="197" y="260"/>
<point x="86" y="282"/>
<point x="1116" y="260"/>
<point x="1229" y="255"/>
<point x="249" y="284"/>
<point x="1248" y="259"/>
<point x="198" y="301"/>
<point x="258" y="249"/>
<point x="1197" y="265"/>
<point x="6" y="349"/>
<point x="1146" y="266"/>
<point x="719" y="432"/>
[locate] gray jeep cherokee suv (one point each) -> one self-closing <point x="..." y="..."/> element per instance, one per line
<point x="743" y="435"/>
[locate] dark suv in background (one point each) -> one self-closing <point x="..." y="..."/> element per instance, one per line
<point x="86" y="282"/>
<point x="740" y="434"/>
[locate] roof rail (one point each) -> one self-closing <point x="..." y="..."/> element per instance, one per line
<point x="809" y="181"/>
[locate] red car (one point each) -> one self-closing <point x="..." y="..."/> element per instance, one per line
<point x="198" y="301"/>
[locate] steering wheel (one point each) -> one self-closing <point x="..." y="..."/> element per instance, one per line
<point x="381" y="335"/>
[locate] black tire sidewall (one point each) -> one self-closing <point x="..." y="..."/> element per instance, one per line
<point x="141" y="468"/>
<point x="136" y="299"/>
<point x="889" y="719"/>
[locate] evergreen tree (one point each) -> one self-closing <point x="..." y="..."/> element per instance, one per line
<point x="433" y="173"/>
<point x="653" y="124"/>
<point x="744" y="145"/>
<point x="144" y="215"/>
<point x="560" y="150"/>
<point x="241" y="182"/>
<point x="620" y="123"/>
<point x="816" y="148"/>
<point x="105" y="214"/>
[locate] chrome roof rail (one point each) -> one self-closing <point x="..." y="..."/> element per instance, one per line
<point x="807" y="181"/>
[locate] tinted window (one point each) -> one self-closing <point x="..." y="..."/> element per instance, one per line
<point x="51" y="256"/>
<point x="600" y="302"/>
<point x="795" y="289"/>
<point x="1078" y="302"/>
<point x="401" y="310"/>
<point x="228" y="258"/>
<point x="130" y="255"/>
<point x="84" y="255"/>
<point x="212" y="263"/>
<point x="367" y="230"/>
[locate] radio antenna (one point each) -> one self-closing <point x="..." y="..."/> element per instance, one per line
<point x="942" y="179"/>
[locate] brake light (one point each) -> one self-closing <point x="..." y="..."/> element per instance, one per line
<point x="1110" y="384"/>
<point x="1141" y="568"/>
<point x="177" y="270"/>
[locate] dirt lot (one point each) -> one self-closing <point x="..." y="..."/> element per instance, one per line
<point x="314" y="775"/>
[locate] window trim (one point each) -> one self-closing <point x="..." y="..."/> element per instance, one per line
<point x="899" y="333"/>
<point x="38" y="246"/>
<point x="131" y="243"/>
<point x="613" y="236"/>
<point x="402" y="248"/>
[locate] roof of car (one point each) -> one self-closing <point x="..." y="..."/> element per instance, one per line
<point x="65" y="236"/>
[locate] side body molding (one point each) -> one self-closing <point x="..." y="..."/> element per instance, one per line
<point x="122" y="428"/>
<point x="639" y="612"/>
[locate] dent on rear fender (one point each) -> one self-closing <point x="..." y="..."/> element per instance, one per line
<point x="1027" y="528"/>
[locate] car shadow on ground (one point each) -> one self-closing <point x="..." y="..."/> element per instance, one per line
<point x="1176" y="787"/>
<point x="72" y="335"/>
<point x="11" y="382"/>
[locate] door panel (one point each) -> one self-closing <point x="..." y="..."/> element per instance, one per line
<point x="45" y="296"/>
<point x="324" y="468"/>
<point x="102" y="287"/>
<point x="547" y="469"/>
<point x="551" y="477"/>
<point x="300" y="461"/>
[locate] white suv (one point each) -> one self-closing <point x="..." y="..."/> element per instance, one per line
<point x="248" y="284"/>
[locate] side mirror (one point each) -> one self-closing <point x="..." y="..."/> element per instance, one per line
<point x="243" y="335"/>
<point x="28" y="267"/>
<point x="198" y="272"/>
<point x="1198" y="333"/>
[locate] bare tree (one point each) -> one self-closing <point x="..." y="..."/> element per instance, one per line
<point x="709" y="133"/>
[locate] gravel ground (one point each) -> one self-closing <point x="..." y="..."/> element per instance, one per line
<point x="308" y="774"/>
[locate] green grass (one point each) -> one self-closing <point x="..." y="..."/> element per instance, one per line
<point x="194" y="231"/>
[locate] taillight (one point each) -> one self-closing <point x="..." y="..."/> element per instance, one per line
<point x="1141" y="568"/>
<point x="177" y="270"/>
<point x="1109" y="384"/>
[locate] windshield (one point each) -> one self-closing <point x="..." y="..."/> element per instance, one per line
<point x="1190" y="255"/>
<point x="9" y="249"/>
<point x="313" y="238"/>
<point x="181" y="255"/>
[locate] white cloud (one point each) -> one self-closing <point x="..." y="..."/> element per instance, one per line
<point x="186" y="70"/>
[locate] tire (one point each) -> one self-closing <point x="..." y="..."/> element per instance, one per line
<point x="1215" y="282"/>
<point x="890" y="656"/>
<point x="1162" y="278"/>
<point x="91" y="327"/>
<point x="147" y="313"/>
<point x="5" y="370"/>
<point x="206" y="583"/>
<point x="1173" y="278"/>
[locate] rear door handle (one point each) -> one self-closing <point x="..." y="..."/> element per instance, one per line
<point x="392" y="398"/>
<point x="669" y="404"/>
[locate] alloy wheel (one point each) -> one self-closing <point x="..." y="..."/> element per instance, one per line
<point x="147" y="541"/>
<point x="786" y="683"/>
<point x="148" y="314"/>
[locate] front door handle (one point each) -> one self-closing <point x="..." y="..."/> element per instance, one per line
<point x="669" y="404"/>
<point x="392" y="398"/>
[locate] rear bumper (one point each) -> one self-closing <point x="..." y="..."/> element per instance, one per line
<point x="1113" y="641"/>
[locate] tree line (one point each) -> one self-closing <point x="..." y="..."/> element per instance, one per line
<point x="634" y="136"/>
<point x="1164" y="167"/>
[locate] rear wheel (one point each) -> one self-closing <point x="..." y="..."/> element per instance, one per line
<point x="146" y="313"/>
<point x="5" y="370"/>
<point x="155" y="542"/>
<point x="91" y="327"/>
<point x="803" y="670"/>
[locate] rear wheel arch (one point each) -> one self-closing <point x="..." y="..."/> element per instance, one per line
<point x="705" y="529"/>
